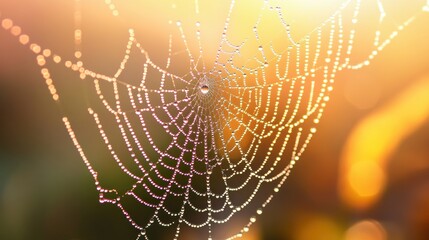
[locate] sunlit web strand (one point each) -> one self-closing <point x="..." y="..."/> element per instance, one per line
<point x="326" y="70"/>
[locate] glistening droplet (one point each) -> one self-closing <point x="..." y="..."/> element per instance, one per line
<point x="204" y="89"/>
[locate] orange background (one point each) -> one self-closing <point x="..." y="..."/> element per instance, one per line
<point x="365" y="174"/>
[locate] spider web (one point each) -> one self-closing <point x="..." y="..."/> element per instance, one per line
<point x="213" y="140"/>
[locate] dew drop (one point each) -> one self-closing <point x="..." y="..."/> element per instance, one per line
<point x="204" y="89"/>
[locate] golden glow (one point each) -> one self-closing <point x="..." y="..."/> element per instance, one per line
<point x="366" y="230"/>
<point x="363" y="93"/>
<point x="366" y="178"/>
<point x="318" y="227"/>
<point x="426" y="7"/>
<point x="374" y="139"/>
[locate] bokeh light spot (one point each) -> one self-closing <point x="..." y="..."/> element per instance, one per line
<point x="366" y="230"/>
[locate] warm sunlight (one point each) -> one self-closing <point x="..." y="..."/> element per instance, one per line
<point x="199" y="119"/>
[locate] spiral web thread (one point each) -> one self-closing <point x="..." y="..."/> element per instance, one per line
<point x="222" y="138"/>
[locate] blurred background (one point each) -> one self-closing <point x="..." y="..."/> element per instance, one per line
<point x="364" y="176"/>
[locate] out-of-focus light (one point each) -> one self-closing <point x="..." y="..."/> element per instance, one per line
<point x="366" y="178"/>
<point x="366" y="230"/>
<point x="318" y="227"/>
<point x="374" y="139"/>
<point x="362" y="93"/>
<point x="426" y="8"/>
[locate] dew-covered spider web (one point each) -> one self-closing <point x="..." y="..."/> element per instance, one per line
<point x="206" y="130"/>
